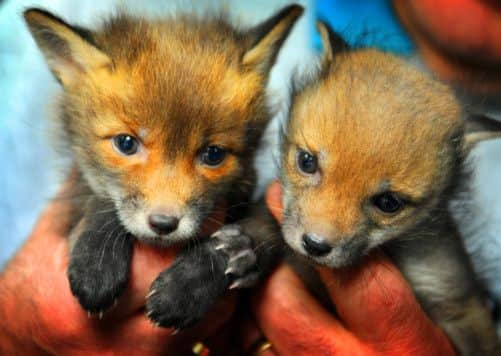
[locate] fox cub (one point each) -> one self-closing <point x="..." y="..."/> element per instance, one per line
<point x="162" y="118"/>
<point x="373" y="153"/>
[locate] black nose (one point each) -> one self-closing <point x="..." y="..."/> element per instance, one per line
<point x="315" y="246"/>
<point x="163" y="224"/>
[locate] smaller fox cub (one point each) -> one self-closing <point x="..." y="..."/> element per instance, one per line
<point x="162" y="118"/>
<point x="373" y="153"/>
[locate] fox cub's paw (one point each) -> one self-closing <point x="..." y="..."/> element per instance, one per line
<point x="242" y="259"/>
<point x="99" y="269"/>
<point x="184" y="293"/>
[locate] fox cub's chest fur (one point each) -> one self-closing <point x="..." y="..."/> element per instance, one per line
<point x="162" y="118"/>
<point x="373" y="154"/>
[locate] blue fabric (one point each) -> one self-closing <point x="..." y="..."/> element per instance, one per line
<point x="367" y="23"/>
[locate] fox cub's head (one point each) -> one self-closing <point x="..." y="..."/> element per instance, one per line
<point x="373" y="147"/>
<point x="163" y="116"/>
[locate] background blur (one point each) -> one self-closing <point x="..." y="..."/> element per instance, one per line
<point x="30" y="171"/>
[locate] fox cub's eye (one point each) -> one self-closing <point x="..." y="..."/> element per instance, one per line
<point x="388" y="202"/>
<point x="213" y="155"/>
<point x="306" y="162"/>
<point x="126" y="144"/>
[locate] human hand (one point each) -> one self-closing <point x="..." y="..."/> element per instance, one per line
<point x="378" y="313"/>
<point x="40" y="315"/>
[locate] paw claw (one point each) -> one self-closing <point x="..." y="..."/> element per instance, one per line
<point x="239" y="255"/>
<point x="97" y="314"/>
<point x="174" y="332"/>
<point x="151" y="292"/>
<point x="234" y="285"/>
<point x="228" y="231"/>
<point x="216" y="234"/>
<point x="229" y="270"/>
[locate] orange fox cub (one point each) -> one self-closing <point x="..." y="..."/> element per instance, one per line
<point x="373" y="153"/>
<point x="162" y="118"/>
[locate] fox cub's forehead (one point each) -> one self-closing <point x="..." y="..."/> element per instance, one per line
<point x="164" y="69"/>
<point x="377" y="102"/>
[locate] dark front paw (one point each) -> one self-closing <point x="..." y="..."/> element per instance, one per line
<point x="184" y="293"/>
<point x="242" y="260"/>
<point x="99" y="270"/>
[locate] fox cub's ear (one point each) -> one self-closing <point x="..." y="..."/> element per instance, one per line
<point x="479" y="128"/>
<point x="67" y="52"/>
<point x="268" y="37"/>
<point x="332" y="42"/>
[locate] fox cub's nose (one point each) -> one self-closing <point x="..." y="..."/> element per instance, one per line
<point x="315" y="246"/>
<point x="163" y="224"/>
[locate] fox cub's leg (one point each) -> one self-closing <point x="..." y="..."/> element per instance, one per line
<point x="437" y="268"/>
<point x="182" y="294"/>
<point x="236" y="256"/>
<point x="101" y="251"/>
